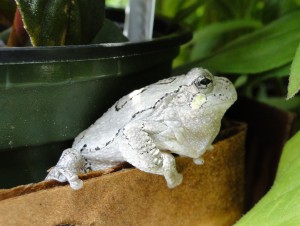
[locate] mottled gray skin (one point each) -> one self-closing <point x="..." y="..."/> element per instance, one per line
<point x="180" y="115"/>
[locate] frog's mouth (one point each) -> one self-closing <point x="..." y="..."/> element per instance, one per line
<point x="201" y="101"/>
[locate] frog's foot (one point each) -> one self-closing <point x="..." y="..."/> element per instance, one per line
<point x="62" y="174"/>
<point x="139" y="149"/>
<point x="67" y="168"/>
<point x="199" y="161"/>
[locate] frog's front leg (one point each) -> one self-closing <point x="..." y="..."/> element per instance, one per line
<point x="139" y="149"/>
<point x="67" y="168"/>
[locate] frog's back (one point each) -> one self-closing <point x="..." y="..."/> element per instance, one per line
<point x="139" y="104"/>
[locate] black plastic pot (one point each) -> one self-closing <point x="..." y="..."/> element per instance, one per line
<point x="50" y="94"/>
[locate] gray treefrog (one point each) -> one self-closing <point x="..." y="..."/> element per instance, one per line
<point x="180" y="115"/>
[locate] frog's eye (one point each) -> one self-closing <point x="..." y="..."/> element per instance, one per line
<point x="203" y="83"/>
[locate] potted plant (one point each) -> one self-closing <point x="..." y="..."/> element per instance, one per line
<point x="51" y="93"/>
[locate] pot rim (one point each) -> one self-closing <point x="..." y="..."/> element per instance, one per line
<point x="45" y="54"/>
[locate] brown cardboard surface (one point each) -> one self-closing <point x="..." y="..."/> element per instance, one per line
<point x="211" y="194"/>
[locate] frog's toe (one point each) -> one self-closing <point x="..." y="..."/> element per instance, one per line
<point x="175" y="180"/>
<point x="55" y="174"/>
<point x="199" y="161"/>
<point x="76" y="183"/>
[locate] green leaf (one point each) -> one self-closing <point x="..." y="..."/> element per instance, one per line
<point x="281" y="205"/>
<point x="278" y="73"/>
<point x="116" y="4"/>
<point x="294" y="79"/>
<point x="168" y="8"/>
<point x="185" y="12"/>
<point x="240" y="81"/>
<point x="282" y="103"/>
<point x="205" y="39"/>
<point x="288" y="5"/>
<point x="267" y="48"/>
<point x="91" y="16"/>
<point x="109" y="33"/>
<point x="66" y="22"/>
<point x="218" y="10"/>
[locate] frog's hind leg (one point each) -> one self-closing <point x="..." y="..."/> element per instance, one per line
<point x="67" y="168"/>
<point x="139" y="150"/>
